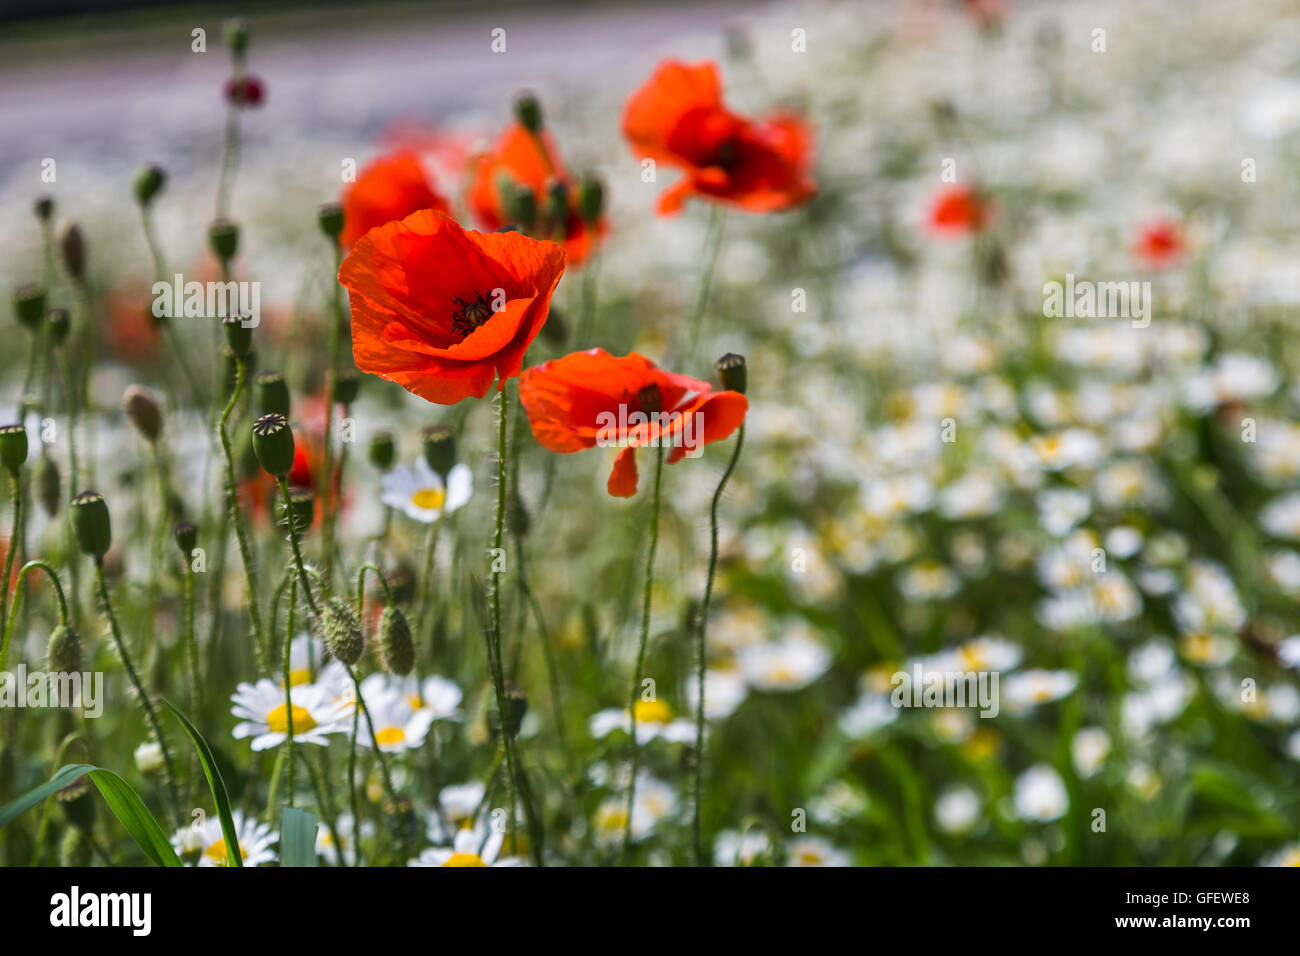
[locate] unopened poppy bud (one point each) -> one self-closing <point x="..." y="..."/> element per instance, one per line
<point x="273" y="444"/>
<point x="63" y="654"/>
<point x="300" y="509"/>
<point x="520" y="204"/>
<point x="29" y="305"/>
<point x="591" y="200"/>
<point x="48" y="485"/>
<point x="91" y="523"/>
<point x="78" y="803"/>
<point x="342" y="630"/>
<point x="148" y="184"/>
<point x="330" y="218"/>
<point x="557" y="202"/>
<point x="44" y="208"/>
<point x="245" y="91"/>
<point x="650" y="400"/>
<point x="60" y="323"/>
<point x="142" y="408"/>
<point x="223" y="238"/>
<point x="395" y="643"/>
<point x="235" y="34"/>
<point x="346" y="387"/>
<point x="382" y="451"/>
<point x="186" y="536"/>
<point x="239" y="335"/>
<point x="74" y="848"/>
<point x="13" y="448"/>
<point x="149" y="758"/>
<point x="73" y="249"/>
<point x="439" y="445"/>
<point x="732" y="372"/>
<point x="529" y="113"/>
<point x="515" y="709"/>
<point x="272" y="393"/>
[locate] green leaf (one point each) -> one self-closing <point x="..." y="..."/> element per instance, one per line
<point x="218" y="787"/>
<point x="121" y="799"/>
<point x="297" y="837"/>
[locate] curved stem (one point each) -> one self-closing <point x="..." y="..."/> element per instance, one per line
<point x="361" y="585"/>
<point x="288" y="680"/>
<point x="297" y="551"/>
<point x="702" y="649"/>
<point x="260" y="646"/>
<point x="712" y="245"/>
<point x="330" y="481"/>
<point x="16" y="492"/>
<point x="191" y="642"/>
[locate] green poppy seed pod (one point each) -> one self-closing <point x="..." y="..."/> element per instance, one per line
<point x="273" y="444"/>
<point x="557" y="202"/>
<point x="74" y="848"/>
<point x="239" y="335"/>
<point x="396" y="646"/>
<point x="144" y="412"/>
<point x="382" y="450"/>
<point x="48" y="485"/>
<point x="342" y="630"/>
<point x="528" y="110"/>
<point x="60" y="324"/>
<point x="439" y="445"/>
<point x="13" y="447"/>
<point x="223" y="238"/>
<point x="72" y="246"/>
<point x="64" y="654"/>
<point x="235" y="34"/>
<point x="44" y="208"/>
<point x="78" y="802"/>
<point x="330" y="218"/>
<point x="519" y="203"/>
<point x="301" y="510"/>
<point x="91" y="523"/>
<point x="148" y="184"/>
<point x="591" y="200"/>
<point x="272" y="393"/>
<point x="29" y="306"/>
<point x="346" y="387"/>
<point x="732" y="372"/>
<point x="186" y="536"/>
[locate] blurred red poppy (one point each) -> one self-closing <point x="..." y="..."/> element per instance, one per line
<point x="960" y="211"/>
<point x="1159" y="244"/>
<point x="391" y="187"/>
<point x="245" y="91"/>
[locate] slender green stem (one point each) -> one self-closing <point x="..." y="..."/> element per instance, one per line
<point x="352" y="777"/>
<point x="702" y="650"/>
<point x="370" y="725"/>
<point x="191" y="642"/>
<point x="16" y="492"/>
<point x="691" y="327"/>
<point x="288" y="680"/>
<point x="634" y="751"/>
<point x="361" y="585"/>
<point x="149" y="712"/>
<point x="330" y="482"/>
<point x="298" y="562"/>
<point x="18" y="600"/>
<point x="260" y="643"/>
<point x="326" y="809"/>
<point x="160" y="272"/>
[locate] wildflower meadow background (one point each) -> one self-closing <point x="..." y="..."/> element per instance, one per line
<point x="959" y="335"/>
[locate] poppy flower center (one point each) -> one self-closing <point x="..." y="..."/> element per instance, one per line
<point x="470" y="315"/>
<point x="649" y="399"/>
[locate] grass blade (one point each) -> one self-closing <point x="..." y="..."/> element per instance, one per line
<point x="220" y="796"/>
<point x="297" y="837"/>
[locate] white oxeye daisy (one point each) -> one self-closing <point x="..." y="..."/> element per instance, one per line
<point x="419" y="492"/>
<point x="654" y="718"/>
<point x="810" y="851"/>
<point x="654" y="801"/>
<point x="204" y="844"/>
<point x="1040" y="794"/>
<point x="347" y="843"/>
<point x="724" y="691"/>
<point x="732" y="848"/>
<point x="1090" y="748"/>
<point x="265" y="717"/>
<point x="788" y="664"/>
<point x="459" y="802"/>
<point x="1028" y="688"/>
<point x="471" y="847"/>
<point x="306" y="656"/>
<point x="398" y="726"/>
<point x="957" y="810"/>
<point x="438" y="695"/>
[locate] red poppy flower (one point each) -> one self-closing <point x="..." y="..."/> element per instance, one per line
<point x="959" y="211"/>
<point x="678" y="118"/>
<point x="593" y="398"/>
<point x="532" y="161"/>
<point x="391" y="187"/>
<point x="444" y="311"/>
<point x="1159" y="244"/>
<point x="245" y="91"/>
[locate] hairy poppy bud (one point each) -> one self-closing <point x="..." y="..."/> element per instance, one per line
<point x="342" y="630"/>
<point x="63" y="654"/>
<point x="731" y="369"/>
<point x="235" y="34"/>
<point x="330" y="218"/>
<point x="515" y="709"/>
<point x="519" y="203"/>
<point x="78" y="803"/>
<point x="300" y="509"/>
<point x="395" y="643"/>
<point x="148" y="184"/>
<point x="557" y="202"/>
<point x="74" y="848"/>
<point x="439" y="444"/>
<point x="186" y="535"/>
<point x="44" y="208"/>
<point x="60" y="324"/>
<point x="529" y="112"/>
<point x="73" y="248"/>
<point x="239" y="335"/>
<point x="29" y="305"/>
<point x="382" y="451"/>
<point x="273" y="444"/>
<point x="346" y="387"/>
<point x="13" y="447"/>
<point x="272" y="393"/>
<point x="223" y="238"/>
<point x="591" y="200"/>
<point x="142" y="408"/>
<point x="91" y="523"/>
<point x="48" y="485"/>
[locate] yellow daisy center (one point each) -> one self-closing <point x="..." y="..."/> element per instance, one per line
<point x="653" y="712"/>
<point x="301" y="675"/>
<point x="465" y="859"/>
<point x="217" y="852"/>
<point x="278" y="720"/>
<point x="430" y="499"/>
<point x="390" y="735"/>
